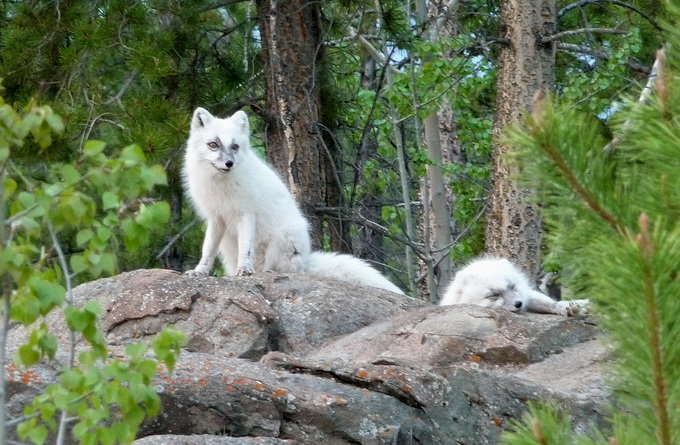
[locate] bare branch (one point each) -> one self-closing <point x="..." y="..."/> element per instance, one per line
<point x="614" y="2"/>
<point x="123" y="89"/>
<point x="632" y="64"/>
<point x="572" y="32"/>
<point x="217" y="5"/>
<point x="377" y="55"/>
<point x="644" y="96"/>
<point x="174" y="239"/>
<point x="61" y="434"/>
<point x="358" y="218"/>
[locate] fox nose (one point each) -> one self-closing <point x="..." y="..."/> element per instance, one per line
<point x="229" y="164"/>
<point x="518" y="304"/>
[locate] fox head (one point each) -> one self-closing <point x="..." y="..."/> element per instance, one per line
<point x="492" y="282"/>
<point x="220" y="142"/>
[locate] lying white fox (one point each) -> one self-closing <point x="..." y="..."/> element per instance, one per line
<point x="496" y="282"/>
<point x="252" y="220"/>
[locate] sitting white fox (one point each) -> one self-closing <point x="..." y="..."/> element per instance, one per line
<point x="252" y="220"/>
<point x="496" y="282"/>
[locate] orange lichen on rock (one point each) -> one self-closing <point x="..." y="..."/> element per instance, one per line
<point x="279" y="393"/>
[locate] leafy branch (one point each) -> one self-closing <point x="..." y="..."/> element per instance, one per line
<point x="85" y="197"/>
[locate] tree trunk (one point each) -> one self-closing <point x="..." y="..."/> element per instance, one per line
<point x="439" y="224"/>
<point x="525" y="65"/>
<point x="291" y="48"/>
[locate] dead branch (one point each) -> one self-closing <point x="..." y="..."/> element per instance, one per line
<point x="581" y="3"/>
<point x="573" y="32"/>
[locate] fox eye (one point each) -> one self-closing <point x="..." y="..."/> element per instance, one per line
<point x="235" y="147"/>
<point x="494" y="295"/>
<point x="213" y="145"/>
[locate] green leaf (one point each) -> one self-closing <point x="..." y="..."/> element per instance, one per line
<point x="83" y="237"/>
<point x="155" y="215"/>
<point x="49" y="294"/>
<point x="27" y="355"/>
<point x="93" y="307"/>
<point x="109" y="201"/>
<point x="55" y="189"/>
<point x="25" y="306"/>
<point x="55" y="122"/>
<point x="25" y="428"/>
<point x="135" y="350"/>
<point x="148" y="369"/>
<point x="134" y="235"/>
<point x="133" y="155"/>
<point x="76" y="319"/>
<point x="9" y="186"/>
<point x="103" y="234"/>
<point x="78" y="263"/>
<point x="107" y="263"/>
<point x="93" y="148"/>
<point x="49" y="344"/>
<point x="152" y="176"/>
<point x="26" y="199"/>
<point x="72" y="379"/>
<point x="69" y="173"/>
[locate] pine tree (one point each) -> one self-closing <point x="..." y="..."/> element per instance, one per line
<point x="614" y="217"/>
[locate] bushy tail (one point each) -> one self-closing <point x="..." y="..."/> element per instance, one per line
<point x="348" y="268"/>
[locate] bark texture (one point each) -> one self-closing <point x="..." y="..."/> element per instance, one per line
<point x="291" y="47"/>
<point x="525" y="65"/>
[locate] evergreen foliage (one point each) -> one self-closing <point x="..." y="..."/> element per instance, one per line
<point x="132" y="72"/>
<point x="615" y="227"/>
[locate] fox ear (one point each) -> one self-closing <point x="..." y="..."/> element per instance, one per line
<point x="241" y="119"/>
<point x="201" y="118"/>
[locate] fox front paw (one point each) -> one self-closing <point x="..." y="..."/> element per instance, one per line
<point x="199" y="271"/>
<point x="245" y="271"/>
<point x="571" y="308"/>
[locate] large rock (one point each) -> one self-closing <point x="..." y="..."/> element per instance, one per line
<point x="338" y="364"/>
<point x="309" y="311"/>
<point x="209" y="394"/>
<point x="241" y="317"/>
<point x="469" y="370"/>
<point x="435" y="337"/>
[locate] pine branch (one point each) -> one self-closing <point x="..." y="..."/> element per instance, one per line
<point x="538" y="434"/>
<point x="661" y="408"/>
<point x="538" y="110"/>
<point x="578" y="188"/>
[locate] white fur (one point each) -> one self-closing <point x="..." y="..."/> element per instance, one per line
<point x="496" y="282"/>
<point x="348" y="268"/>
<point x="252" y="220"/>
